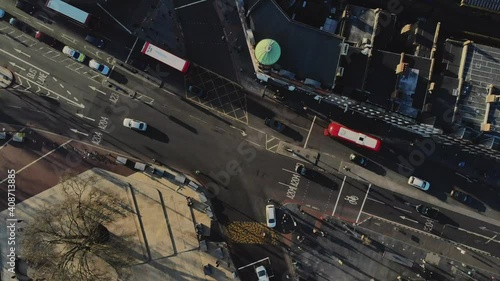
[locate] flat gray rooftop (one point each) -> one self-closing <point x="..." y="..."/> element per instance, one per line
<point x="305" y="51"/>
<point x="360" y="24"/>
<point x="482" y="68"/>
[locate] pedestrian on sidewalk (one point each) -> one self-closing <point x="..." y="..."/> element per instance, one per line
<point x="217" y="263"/>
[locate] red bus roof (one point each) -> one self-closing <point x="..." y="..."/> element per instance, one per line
<point x="342" y="132"/>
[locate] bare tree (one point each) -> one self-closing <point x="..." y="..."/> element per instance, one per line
<point x="69" y="240"/>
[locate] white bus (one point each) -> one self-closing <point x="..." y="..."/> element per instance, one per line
<point x="165" y="57"/>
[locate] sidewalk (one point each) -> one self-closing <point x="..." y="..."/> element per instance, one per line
<point x="326" y="247"/>
<point x="172" y="239"/>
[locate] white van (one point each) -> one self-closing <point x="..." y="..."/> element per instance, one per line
<point x="270" y="216"/>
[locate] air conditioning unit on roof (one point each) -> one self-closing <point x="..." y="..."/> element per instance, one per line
<point x="340" y="72"/>
<point x="344" y="48"/>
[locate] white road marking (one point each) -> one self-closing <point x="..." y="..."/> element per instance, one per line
<point x="7" y="53"/>
<point x="190" y="4"/>
<point x="23" y="53"/>
<point x="75" y="99"/>
<point x="15" y="65"/>
<point x="338" y="197"/>
<point x="78" y="132"/>
<point x="54" y="78"/>
<point x="14" y="106"/>
<point x="69" y="93"/>
<point x="130" y="32"/>
<point x="45" y="26"/>
<point x="84" y="117"/>
<point x="97" y="90"/>
<point x="286" y="170"/>
<point x="376" y="201"/>
<point x="404" y="210"/>
<point x="168" y="92"/>
<point x="40" y="158"/>
<point x="405" y="218"/>
<point x="254" y="143"/>
<point x="200" y="120"/>
<point x="62" y="86"/>
<point x="59" y="96"/>
<point x="69" y="38"/>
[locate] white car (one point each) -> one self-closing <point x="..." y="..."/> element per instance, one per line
<point x="135" y="124"/>
<point x="99" y="67"/>
<point x="419" y="183"/>
<point x="270" y="216"/>
<point x="74" y="54"/>
<point x="261" y="273"/>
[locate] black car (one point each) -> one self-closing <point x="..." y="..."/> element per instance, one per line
<point x="461" y="197"/>
<point x="274" y="124"/>
<point x="99" y="43"/>
<point x="303" y="171"/>
<point x="427" y="211"/>
<point x="358" y="159"/>
<point x="26" y="6"/>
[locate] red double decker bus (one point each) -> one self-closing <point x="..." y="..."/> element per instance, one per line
<point x="339" y="131"/>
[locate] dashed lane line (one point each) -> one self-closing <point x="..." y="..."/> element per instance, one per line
<point x="376" y="200"/>
<point x="40" y="158"/>
<point x="401" y="209"/>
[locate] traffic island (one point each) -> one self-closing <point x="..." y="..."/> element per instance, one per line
<point x="297" y="152"/>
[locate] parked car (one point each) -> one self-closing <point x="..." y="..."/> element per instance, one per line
<point x="197" y="91"/>
<point x="99" y="43"/>
<point x="303" y="171"/>
<point x="42" y="37"/>
<point x="358" y="159"/>
<point x="274" y="124"/>
<point x="26" y="6"/>
<point x="99" y="67"/>
<point x="15" y="22"/>
<point x="2" y="14"/>
<point x="74" y="54"/>
<point x="261" y="273"/>
<point x="418" y="183"/>
<point x="461" y="197"/>
<point x="427" y="211"/>
<point x="135" y="124"/>
<point x="270" y="216"/>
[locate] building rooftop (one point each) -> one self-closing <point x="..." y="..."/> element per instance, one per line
<point x="404" y="93"/>
<point x="305" y="51"/>
<point x="488" y="5"/>
<point x="481" y="69"/>
<point x="361" y="24"/>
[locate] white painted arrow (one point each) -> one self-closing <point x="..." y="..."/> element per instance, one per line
<point x="78" y="132"/>
<point x="84" y="117"/>
<point x="15" y="65"/>
<point x="97" y="90"/>
<point x="405" y="218"/>
<point x="241" y="131"/>
<point x="21" y="52"/>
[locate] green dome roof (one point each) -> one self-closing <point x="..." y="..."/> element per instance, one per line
<point x="267" y="52"/>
